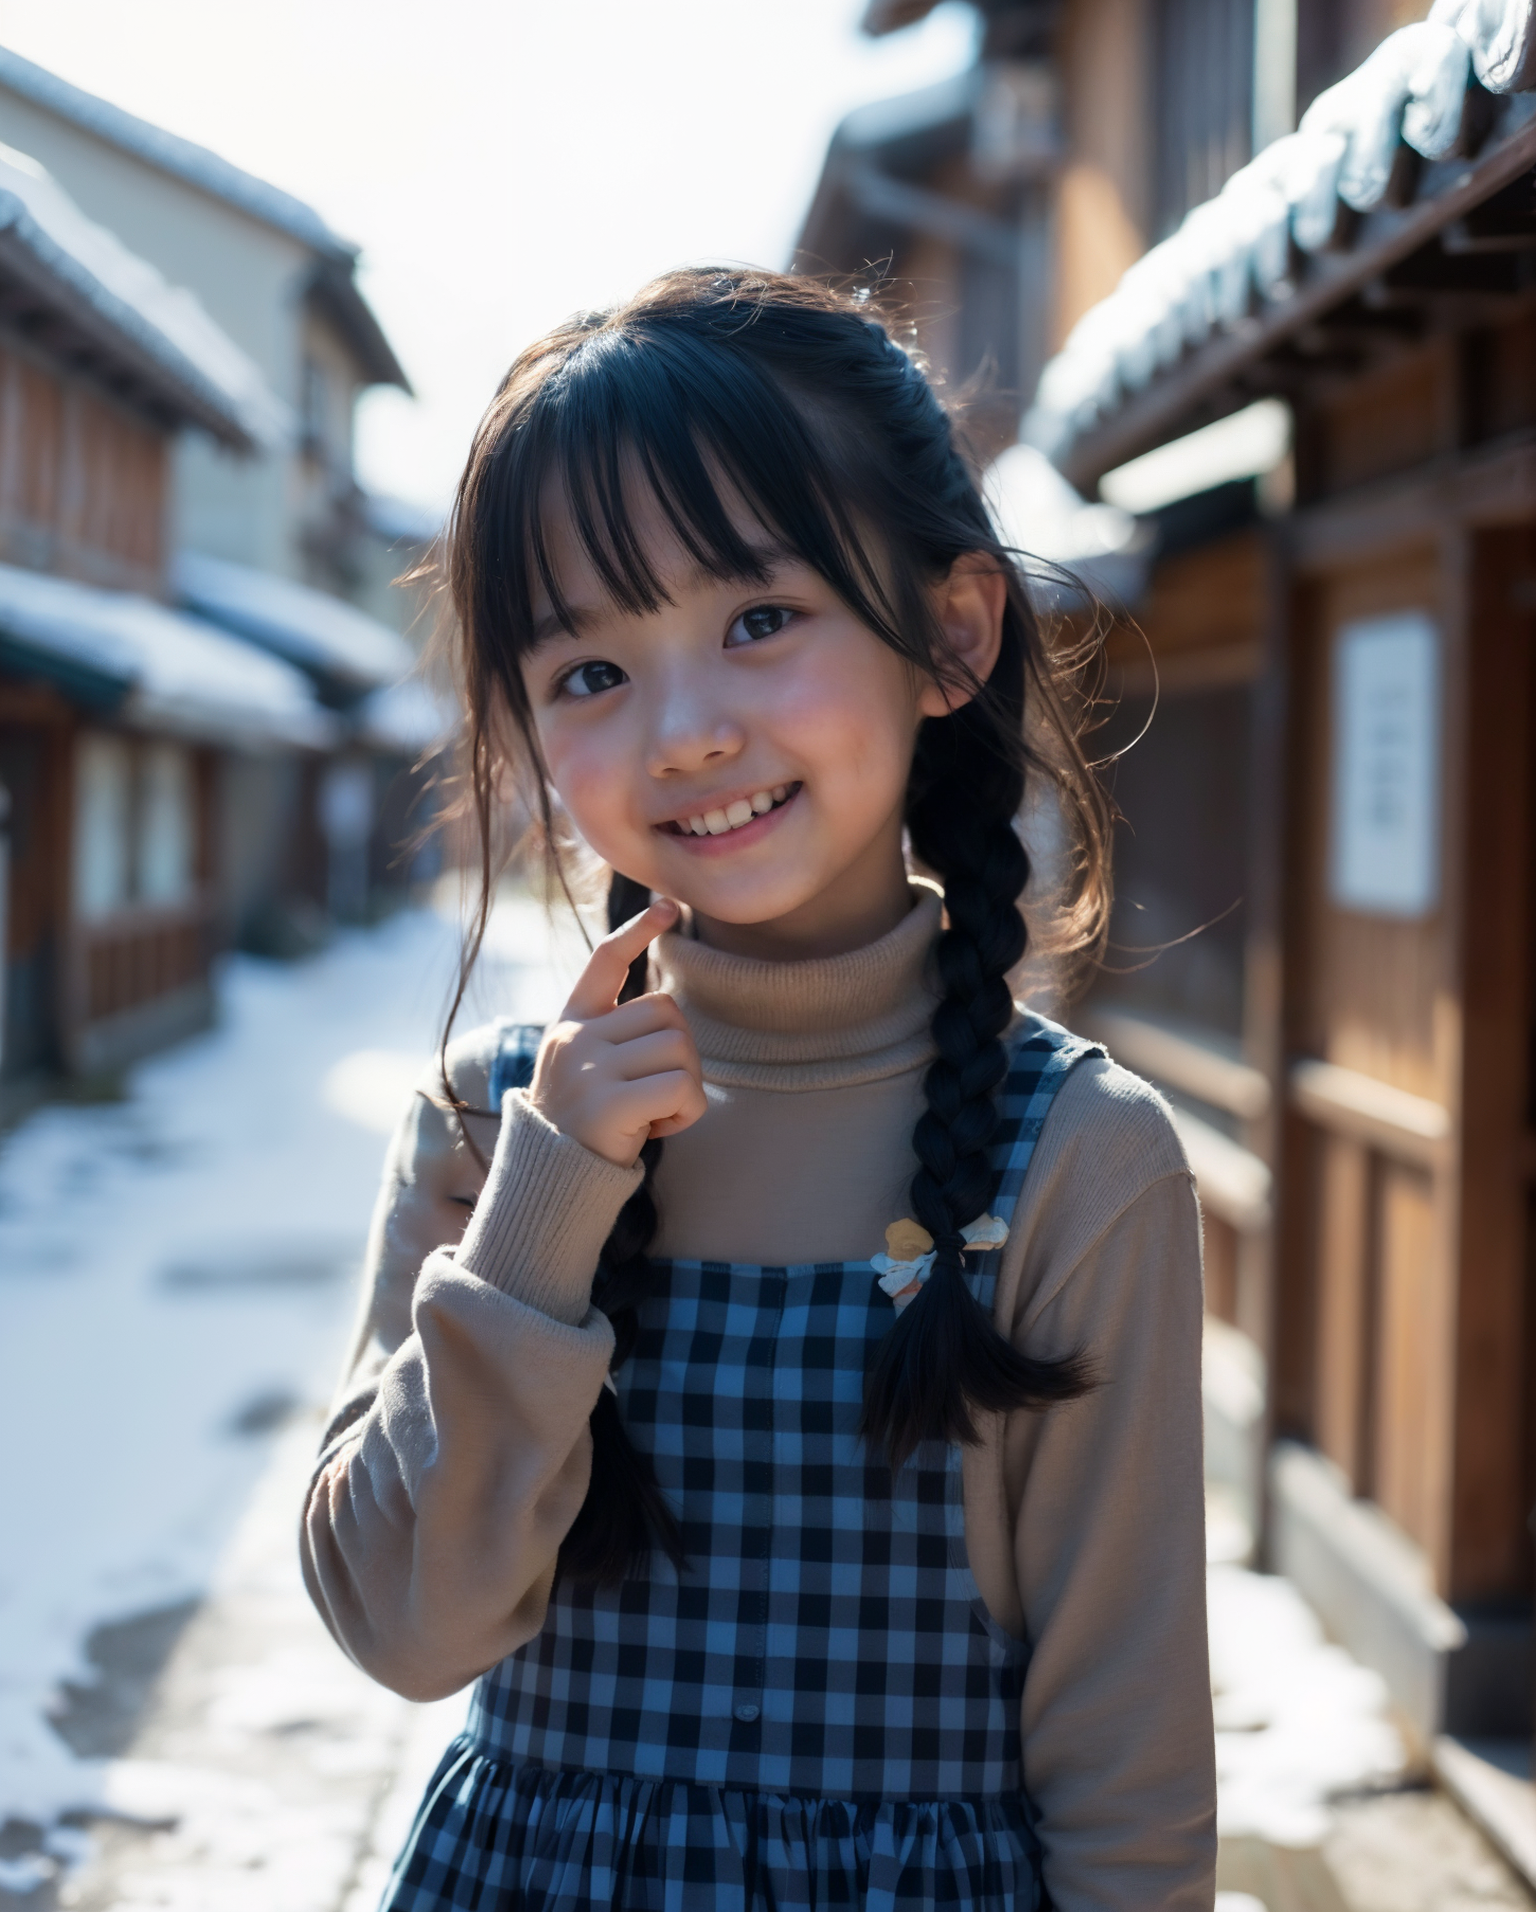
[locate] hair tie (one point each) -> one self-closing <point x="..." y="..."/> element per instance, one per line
<point x="910" y="1253"/>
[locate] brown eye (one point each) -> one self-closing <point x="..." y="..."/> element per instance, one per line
<point x="588" y="679"/>
<point x="763" y="620"/>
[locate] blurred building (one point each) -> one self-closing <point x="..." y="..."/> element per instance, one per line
<point x="947" y="192"/>
<point x="277" y="542"/>
<point x="1287" y="388"/>
<point x="278" y="281"/>
<point x="124" y="722"/>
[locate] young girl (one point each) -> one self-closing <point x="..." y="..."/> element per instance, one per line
<point x="798" y="1436"/>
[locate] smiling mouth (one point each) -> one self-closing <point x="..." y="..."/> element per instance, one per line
<point x="734" y="816"/>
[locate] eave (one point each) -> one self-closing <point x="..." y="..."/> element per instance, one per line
<point x="334" y="291"/>
<point x="51" y="313"/>
<point x="1236" y="365"/>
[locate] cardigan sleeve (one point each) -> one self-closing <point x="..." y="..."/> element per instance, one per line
<point x="1106" y="1495"/>
<point x="458" y="1450"/>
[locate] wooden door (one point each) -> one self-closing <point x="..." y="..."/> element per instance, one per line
<point x="1493" y="1482"/>
<point x="1372" y="1027"/>
<point x="1174" y="998"/>
<point x="1407" y="1021"/>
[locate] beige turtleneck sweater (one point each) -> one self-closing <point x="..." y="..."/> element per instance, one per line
<point x="459" y="1452"/>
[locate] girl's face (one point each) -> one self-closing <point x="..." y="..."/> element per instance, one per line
<point x="744" y="748"/>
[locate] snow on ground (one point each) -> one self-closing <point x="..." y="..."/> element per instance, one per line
<point x="176" y="1282"/>
<point x="267" y="1772"/>
<point x="175" y="1290"/>
<point x="1298" y="1721"/>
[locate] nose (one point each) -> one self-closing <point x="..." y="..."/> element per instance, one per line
<point x="689" y="730"/>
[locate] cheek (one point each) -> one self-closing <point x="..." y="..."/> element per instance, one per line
<point x="588" y="769"/>
<point x="852" y="716"/>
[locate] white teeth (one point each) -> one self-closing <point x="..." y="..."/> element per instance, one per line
<point x="734" y="815"/>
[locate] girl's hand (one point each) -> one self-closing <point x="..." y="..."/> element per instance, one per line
<point x="611" y="1076"/>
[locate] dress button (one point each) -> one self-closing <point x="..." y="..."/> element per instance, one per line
<point x="746" y="1712"/>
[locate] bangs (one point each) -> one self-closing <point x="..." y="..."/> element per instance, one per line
<point x="652" y="416"/>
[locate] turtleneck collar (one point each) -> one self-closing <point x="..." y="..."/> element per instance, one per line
<point x="826" y="1023"/>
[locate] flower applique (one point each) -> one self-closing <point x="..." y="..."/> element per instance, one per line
<point x="909" y="1254"/>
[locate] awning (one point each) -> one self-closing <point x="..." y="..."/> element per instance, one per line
<point x="341" y="648"/>
<point x="153" y="667"/>
<point x="1413" y="152"/>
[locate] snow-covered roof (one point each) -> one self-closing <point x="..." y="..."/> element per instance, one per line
<point x="333" y="284"/>
<point x="871" y="181"/>
<point x="1233" y="253"/>
<point x="1039" y="514"/>
<point x="158" y="332"/>
<point x="882" y="121"/>
<point x="333" y="642"/>
<point x="409" y="717"/>
<point x="154" y="667"/>
<point x="172" y="154"/>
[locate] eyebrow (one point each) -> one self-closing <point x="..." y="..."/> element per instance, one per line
<point x="552" y="626"/>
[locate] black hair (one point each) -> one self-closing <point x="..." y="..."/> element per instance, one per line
<point x="797" y="399"/>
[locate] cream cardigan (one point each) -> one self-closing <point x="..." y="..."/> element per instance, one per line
<point x="459" y="1453"/>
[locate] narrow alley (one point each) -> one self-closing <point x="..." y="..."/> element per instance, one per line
<point x="176" y="1728"/>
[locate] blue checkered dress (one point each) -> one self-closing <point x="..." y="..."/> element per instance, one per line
<point x="819" y="1710"/>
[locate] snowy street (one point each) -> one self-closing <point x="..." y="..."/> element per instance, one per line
<point x="176" y="1287"/>
<point x="177" y="1280"/>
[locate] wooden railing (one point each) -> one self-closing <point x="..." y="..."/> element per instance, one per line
<point x="137" y="956"/>
<point x="1408" y="1128"/>
<point x="1192" y="1067"/>
<point x="1235" y="1184"/>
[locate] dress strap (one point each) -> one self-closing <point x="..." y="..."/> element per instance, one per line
<point x="517" y="1047"/>
<point x="1042" y="1056"/>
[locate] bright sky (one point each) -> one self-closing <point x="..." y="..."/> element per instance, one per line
<point x="501" y="162"/>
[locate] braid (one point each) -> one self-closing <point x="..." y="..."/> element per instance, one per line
<point x="944" y="1360"/>
<point x="625" y="1516"/>
<point x="714" y="387"/>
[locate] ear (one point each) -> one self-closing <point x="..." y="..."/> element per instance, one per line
<point x="969" y="604"/>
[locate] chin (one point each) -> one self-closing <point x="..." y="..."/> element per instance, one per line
<point x="747" y="906"/>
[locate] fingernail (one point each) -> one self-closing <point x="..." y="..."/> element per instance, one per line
<point x="665" y="903"/>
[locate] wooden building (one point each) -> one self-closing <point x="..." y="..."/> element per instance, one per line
<point x="947" y="193"/>
<point x="279" y="283"/>
<point x="280" y="545"/>
<point x="119" y="716"/>
<point x="1325" y="944"/>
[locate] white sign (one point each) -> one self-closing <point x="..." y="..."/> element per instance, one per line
<point x="1384" y="849"/>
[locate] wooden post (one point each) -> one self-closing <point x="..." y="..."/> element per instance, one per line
<point x="1489" y="1550"/>
<point x="1346" y="1263"/>
<point x="1263" y="965"/>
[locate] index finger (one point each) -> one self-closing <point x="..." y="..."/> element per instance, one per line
<point x="597" y="988"/>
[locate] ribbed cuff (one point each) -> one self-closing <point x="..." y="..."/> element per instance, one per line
<point x="544" y="1214"/>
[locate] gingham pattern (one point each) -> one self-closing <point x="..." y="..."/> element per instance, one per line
<point x="517" y="1045"/>
<point x="496" y="1837"/>
<point x="826" y="1642"/>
